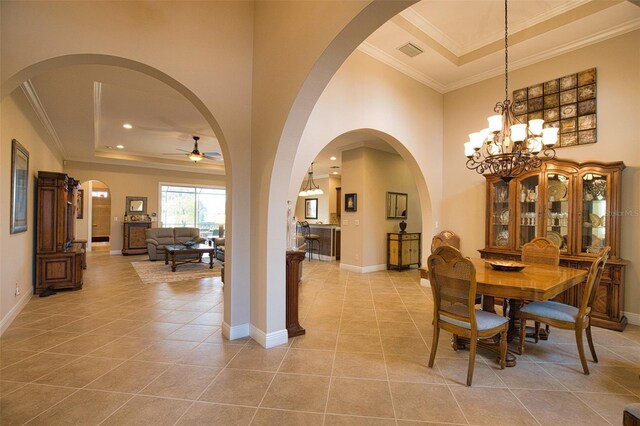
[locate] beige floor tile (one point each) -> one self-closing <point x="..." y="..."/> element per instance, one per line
<point x="359" y="343"/>
<point x="119" y="327"/>
<point x="82" y="408"/>
<point x="35" y="367"/>
<point x="491" y="406"/>
<point x="27" y="402"/>
<point x="529" y="375"/>
<point x="154" y="330"/>
<point x="193" y="333"/>
<point x="216" y="415"/>
<point x="211" y="355"/>
<point x="80" y="372"/>
<point x="608" y="406"/>
<point x="331" y="325"/>
<point x="7" y="387"/>
<point x="53" y="322"/>
<point x="84" y="325"/>
<point x="313" y="339"/>
<point x="297" y="392"/>
<point x="336" y="420"/>
<point x="359" y="327"/>
<point x="166" y="351"/>
<point x="412" y="369"/>
<point x="208" y="318"/>
<point x="455" y="372"/>
<point x="558" y="408"/>
<point x="425" y="402"/>
<point x="217" y="337"/>
<point x="131" y="376"/>
<point x="9" y="356"/>
<point x="573" y="377"/>
<point x="123" y="348"/>
<point x="43" y="341"/>
<point x="400" y="345"/>
<point x="15" y="335"/>
<point x="360" y="397"/>
<point x="304" y="361"/>
<point x="148" y="410"/>
<point x="180" y="317"/>
<point x="82" y="345"/>
<point x="240" y="387"/>
<point x="349" y="314"/>
<point x="359" y="304"/>
<point x="181" y="381"/>
<point x="395" y="328"/>
<point x="359" y="365"/>
<point x="268" y="417"/>
<point x="255" y="357"/>
<point x="627" y="377"/>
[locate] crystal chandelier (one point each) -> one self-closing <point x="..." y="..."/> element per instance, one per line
<point x="507" y="147"/>
<point x="310" y="188"/>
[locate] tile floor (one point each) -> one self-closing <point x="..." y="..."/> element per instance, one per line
<point x="120" y="352"/>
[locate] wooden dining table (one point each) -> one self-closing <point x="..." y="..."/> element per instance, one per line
<point x="534" y="282"/>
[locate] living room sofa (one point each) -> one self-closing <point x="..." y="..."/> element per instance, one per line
<point x="158" y="238"/>
<point x="218" y="244"/>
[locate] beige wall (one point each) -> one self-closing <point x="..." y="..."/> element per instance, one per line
<point x="16" y="250"/>
<point x="618" y="64"/>
<point x="328" y="186"/>
<point x="125" y="181"/>
<point x="370" y="174"/>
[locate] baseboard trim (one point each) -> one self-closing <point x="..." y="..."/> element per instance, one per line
<point x="363" y="269"/>
<point x="112" y="252"/>
<point x="632" y="318"/>
<point x="14" y="312"/>
<point x="235" y="332"/>
<point x="269" y="340"/>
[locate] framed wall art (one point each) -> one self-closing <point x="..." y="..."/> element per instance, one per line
<point x="568" y="103"/>
<point x="350" y="202"/>
<point x="80" y="204"/>
<point x="19" y="186"/>
<point x="311" y="208"/>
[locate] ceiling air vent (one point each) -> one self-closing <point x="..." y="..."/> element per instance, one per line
<point x="410" y="50"/>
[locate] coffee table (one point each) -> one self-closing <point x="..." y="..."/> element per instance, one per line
<point x="179" y="253"/>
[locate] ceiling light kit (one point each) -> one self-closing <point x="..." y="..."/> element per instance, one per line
<point x="195" y="155"/>
<point x="120" y="146"/>
<point x="332" y="158"/>
<point x="508" y="148"/>
<point x="310" y="188"/>
<point x="127" y="126"/>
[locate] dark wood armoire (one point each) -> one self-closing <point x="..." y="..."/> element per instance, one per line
<point x="59" y="259"/>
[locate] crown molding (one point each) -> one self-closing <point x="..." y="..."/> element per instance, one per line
<point x="385" y="58"/>
<point x="32" y="96"/>
<point x="97" y="112"/>
<point x="432" y="31"/>
<point x="548" y="54"/>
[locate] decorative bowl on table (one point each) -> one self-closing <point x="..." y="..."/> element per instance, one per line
<point x="506" y="265"/>
<point x="189" y="243"/>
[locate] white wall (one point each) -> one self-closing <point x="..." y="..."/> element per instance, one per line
<point x="17" y="251"/>
<point x="618" y="66"/>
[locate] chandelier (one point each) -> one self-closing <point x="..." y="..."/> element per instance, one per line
<point x="508" y="148"/>
<point x="310" y="188"/>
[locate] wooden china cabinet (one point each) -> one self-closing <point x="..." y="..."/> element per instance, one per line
<point x="575" y="205"/>
<point x="59" y="257"/>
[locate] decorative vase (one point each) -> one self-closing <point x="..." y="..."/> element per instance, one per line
<point x="403" y="226"/>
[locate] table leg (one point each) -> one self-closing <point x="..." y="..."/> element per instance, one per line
<point x="166" y="257"/>
<point x="173" y="262"/>
<point x="514" y="318"/>
<point x="211" y="259"/>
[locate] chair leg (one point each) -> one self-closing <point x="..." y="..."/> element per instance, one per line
<point x="503" y="348"/>
<point x="473" y="345"/>
<point x="523" y="332"/>
<point x="583" y="359"/>
<point x="590" y="341"/>
<point x="536" y="333"/>
<point x="434" y="345"/>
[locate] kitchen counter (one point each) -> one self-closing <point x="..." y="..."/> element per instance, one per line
<point x="329" y="239"/>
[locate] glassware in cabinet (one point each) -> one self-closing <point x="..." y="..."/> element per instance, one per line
<point x="594" y="213"/>
<point x="557" y="216"/>
<point x="500" y="214"/>
<point x="528" y="214"/>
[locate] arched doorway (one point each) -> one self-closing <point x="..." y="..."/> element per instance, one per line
<point x="95" y="223"/>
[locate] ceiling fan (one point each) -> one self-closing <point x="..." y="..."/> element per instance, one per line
<point x="195" y="155"/>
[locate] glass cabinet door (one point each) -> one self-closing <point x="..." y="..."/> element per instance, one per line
<point x="557" y="214"/>
<point x="500" y="216"/>
<point x="594" y="213"/>
<point x="527" y="223"/>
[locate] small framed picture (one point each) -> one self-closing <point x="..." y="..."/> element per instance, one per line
<point x="350" y="202"/>
<point x="80" y="204"/>
<point x="311" y="208"/>
<point x="19" y="187"/>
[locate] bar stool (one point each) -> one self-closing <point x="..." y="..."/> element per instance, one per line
<point x="311" y="240"/>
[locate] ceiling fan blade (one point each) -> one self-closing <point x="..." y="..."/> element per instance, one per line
<point x="219" y="158"/>
<point x="212" y="153"/>
<point x="183" y="150"/>
<point x="172" y="153"/>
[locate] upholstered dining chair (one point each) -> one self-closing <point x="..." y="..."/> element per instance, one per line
<point x="453" y="283"/>
<point x="445" y="238"/>
<point x="566" y="316"/>
<point x="542" y="251"/>
<point x="311" y="240"/>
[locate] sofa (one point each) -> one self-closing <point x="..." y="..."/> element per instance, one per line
<point x="218" y="244"/>
<point x="158" y="238"/>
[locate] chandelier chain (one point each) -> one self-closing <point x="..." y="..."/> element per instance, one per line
<point x="506" y="52"/>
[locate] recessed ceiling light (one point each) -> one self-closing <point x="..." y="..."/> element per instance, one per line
<point x="334" y="173"/>
<point x="332" y="158"/>
<point x="120" y="146"/>
<point x="127" y="126"/>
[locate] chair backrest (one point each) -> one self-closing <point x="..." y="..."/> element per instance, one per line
<point x="305" y="230"/>
<point x="593" y="279"/>
<point x="445" y="238"/>
<point x="453" y="283"/>
<point x="541" y="250"/>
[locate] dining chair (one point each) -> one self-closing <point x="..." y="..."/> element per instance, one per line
<point x="453" y="283"/>
<point x="566" y="316"/>
<point x="445" y="238"/>
<point x="541" y="251"/>
<point x="311" y="240"/>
